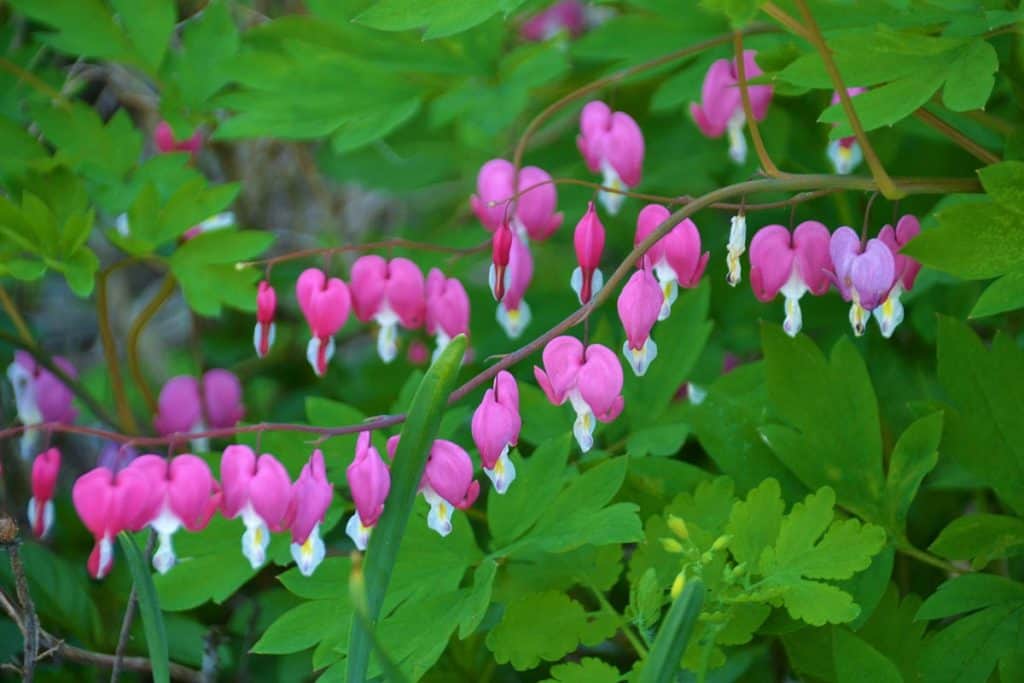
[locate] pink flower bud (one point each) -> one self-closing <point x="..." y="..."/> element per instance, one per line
<point x="45" y="469"/>
<point x="792" y="264"/>
<point x="369" y="480"/>
<point x="447" y="309"/>
<point x="721" y="107"/>
<point x="567" y="15"/>
<point x="325" y="303"/>
<point x="496" y="424"/>
<point x="311" y="496"/>
<point x="266" y="306"/>
<point x="390" y="293"/>
<point x="513" y="312"/>
<point x="163" y="138"/>
<point x="588" y="239"/>
<point x="533" y="213"/>
<point x="639" y="306"/>
<point x="260" y="492"/>
<point x="501" y="254"/>
<point x="611" y="144"/>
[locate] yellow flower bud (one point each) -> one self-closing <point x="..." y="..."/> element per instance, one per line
<point x="671" y="545"/>
<point x="721" y="543"/>
<point x="678" y="585"/>
<point x="678" y="527"/>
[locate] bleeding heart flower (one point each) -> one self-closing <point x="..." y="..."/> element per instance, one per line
<point x="163" y="138"/>
<point x="179" y="410"/>
<point x="266" y="306"/>
<point x="890" y="314"/>
<point x="258" y="490"/>
<point x="447" y="482"/>
<point x="325" y="303"/>
<point x="45" y="469"/>
<point x="845" y="153"/>
<point x="187" y="495"/>
<point x="513" y="312"/>
<point x="588" y="239"/>
<point x="737" y="245"/>
<point x="110" y="503"/>
<point x="311" y="496"/>
<point x="864" y="275"/>
<point x="447" y="309"/>
<point x="612" y="144"/>
<point x="39" y="396"/>
<point x="589" y="378"/>
<point x="568" y="16"/>
<point x="496" y="424"/>
<point x="639" y="306"/>
<point x="721" y="106"/>
<point x="369" y="480"/>
<point x="532" y="214"/>
<point x="792" y="264"/>
<point x="676" y="257"/>
<point x="391" y="293"/>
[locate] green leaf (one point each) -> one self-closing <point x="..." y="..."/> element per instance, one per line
<point x="971" y="592"/>
<point x="968" y="650"/>
<point x="539" y="479"/>
<point x="971" y="77"/>
<point x="739" y="12"/>
<point x="82" y="28"/>
<point x="149" y="25"/>
<point x="892" y="631"/>
<point x="417" y="436"/>
<point x="545" y="626"/>
<point x="329" y="581"/>
<point x="885" y="105"/>
<point x="662" y="664"/>
<point x="914" y="456"/>
<point x="980" y="538"/>
<point x="364" y="129"/>
<point x="587" y="670"/>
<point x="149" y="608"/>
<point x="658" y="440"/>
<point x="439" y="19"/>
<point x="479" y="599"/>
<point x="755" y="522"/>
<point x="856" y="661"/>
<point x="1003" y="183"/>
<point x="1003" y="295"/>
<point x="973" y="241"/>
<point x="302" y="627"/>
<point x="208" y="44"/>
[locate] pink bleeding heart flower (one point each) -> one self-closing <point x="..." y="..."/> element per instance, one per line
<point x="568" y="16"/>
<point x="501" y="253"/>
<point x="612" y="144"/>
<point x="890" y="314"/>
<point x="447" y="309"/>
<point x="532" y="214"/>
<point x="163" y="138"/>
<point x="721" y="106"/>
<point x="447" y="482"/>
<point x="864" y="274"/>
<point x="676" y="257"/>
<point x="260" y="492"/>
<point x="369" y="480"/>
<point x="792" y="264"/>
<point x="180" y="411"/>
<point x="311" y="496"/>
<point x="115" y="457"/>
<point x="496" y="424"/>
<point x="844" y="153"/>
<point x="513" y="312"/>
<point x="588" y="239"/>
<point x="589" y="378"/>
<point x="108" y="504"/>
<point x="418" y="353"/>
<point x="639" y="306"/>
<point x="39" y="396"/>
<point x="187" y="496"/>
<point x="325" y="302"/>
<point x="391" y="293"/>
<point x="45" y="469"/>
<point x="266" y="306"/>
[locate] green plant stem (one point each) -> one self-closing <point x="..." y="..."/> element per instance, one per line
<point x="624" y="624"/>
<point x="958" y="138"/>
<point x="167" y="288"/>
<point x="813" y="34"/>
<point x="33" y="80"/>
<point x="12" y="312"/>
<point x="124" y="410"/>
<point x="927" y="558"/>
<point x="769" y="167"/>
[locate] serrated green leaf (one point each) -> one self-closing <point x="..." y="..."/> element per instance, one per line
<point x="587" y="670"/>
<point x="968" y="650"/>
<point x="364" y="129"/>
<point x="887" y="104"/>
<point x="973" y="241"/>
<point x="1003" y="183"/>
<point x="208" y="44"/>
<point x="539" y="479"/>
<point x="755" y="522"/>
<point x="971" y="592"/>
<point x="81" y="28"/>
<point x="439" y="19"/>
<point x="301" y="627"/>
<point x="149" y="608"/>
<point x="856" y="661"/>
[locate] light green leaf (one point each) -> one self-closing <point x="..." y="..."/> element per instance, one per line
<point x="587" y="670"/>
<point x="329" y="581"/>
<point x="208" y="44"/>
<point x="973" y="241"/>
<point x="538" y="481"/>
<point x="971" y="77"/>
<point x="980" y="538"/>
<point x="658" y="440"/>
<point x="439" y="19"/>
<point x="755" y="522"/>
<point x="302" y="627"/>
<point x="914" y="456"/>
<point x="363" y="129"/>
<point x="479" y="599"/>
<point x="887" y="104"/>
<point x="149" y="608"/>
<point x="149" y="25"/>
<point x="662" y="665"/>
<point x="83" y="28"/>
<point x="1005" y="184"/>
<point x="1004" y="295"/>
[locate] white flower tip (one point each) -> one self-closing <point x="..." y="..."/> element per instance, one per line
<point x="503" y="473"/>
<point x="310" y="553"/>
<point x="514" y="321"/>
<point x="359" y="534"/>
<point x="263" y="338"/>
<point x="640" y="359"/>
<point x="387" y="343"/>
<point x="319" y="361"/>
<point x="254" y="544"/>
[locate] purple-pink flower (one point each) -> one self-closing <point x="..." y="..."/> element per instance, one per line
<point x="496" y="424"/>
<point x="39" y="396"/>
<point x="369" y="480"/>
<point x="864" y="274"/>
<point x="721" y="107"/>
<point x="390" y="292"/>
<point x="447" y="482"/>
<point x="639" y="306"/>
<point x="532" y="214"/>
<point x="325" y="302"/>
<point x="793" y="264"/>
<point x="890" y="314"/>
<point x="590" y="378"/>
<point x="45" y="469"/>
<point x="567" y="15"/>
<point x="266" y="306"/>
<point x="163" y="138"/>
<point x="260" y="492"/>
<point x="676" y="257"/>
<point x="180" y="411"/>
<point x="311" y="496"/>
<point x="612" y="144"/>
<point x="447" y="309"/>
<point x="588" y="239"/>
<point x="513" y="312"/>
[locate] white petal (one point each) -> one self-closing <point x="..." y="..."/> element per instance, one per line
<point x="890" y="314"/>
<point x="583" y="427"/>
<point x="164" y="558"/>
<point x="359" y="534"/>
<point x="387" y="342"/>
<point x="202" y="444"/>
<point x="844" y="159"/>
<point x="576" y="281"/>
<point x="441" y="342"/>
<point x="515" y="321"/>
<point x="313" y="348"/>
<point x="255" y="541"/>
<point x="597" y="282"/>
<point x="24" y="394"/>
<point x="612" y="201"/>
<point x="736" y="247"/>
<point x="794" y="317"/>
<point x="47" y="516"/>
<point x="640" y="359"/>
<point x="218" y="221"/>
<point x="106" y="558"/>
<point x="310" y="554"/>
<point x="440" y="516"/>
<point x="504" y="472"/>
<point x="696" y="394"/>
<point x="122" y="226"/>
<point x="257" y="337"/>
<point x="737" y="141"/>
<point x="670" y="290"/>
<point x="858" y="318"/>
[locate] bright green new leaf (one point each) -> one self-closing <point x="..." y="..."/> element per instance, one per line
<point x="81" y="28"/>
<point x="302" y="627"/>
<point x="973" y="241"/>
<point x="148" y="25"/>
<point x="208" y="44"/>
<point x="755" y="522"/>
<point x="971" y="77"/>
<point x="1005" y="184"/>
<point x="980" y="538"/>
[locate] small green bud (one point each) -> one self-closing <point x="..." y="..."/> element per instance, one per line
<point x="678" y="585"/>
<point x="707" y="558"/>
<point x="678" y="527"/>
<point x="721" y="543"/>
<point x="671" y="545"/>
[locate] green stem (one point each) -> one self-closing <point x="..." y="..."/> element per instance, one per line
<point x="12" y="312"/>
<point x="124" y="410"/>
<point x="770" y="169"/>
<point x="623" y="622"/>
<point x="135" y="332"/>
<point x="907" y="549"/>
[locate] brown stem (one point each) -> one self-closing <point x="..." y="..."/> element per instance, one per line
<point x="368" y="246"/>
<point x="965" y="143"/>
<point x="124" y="410"/>
<point x="30" y="622"/>
<point x="33" y="80"/>
<point x="770" y="169"/>
<point x="159" y="299"/>
<point x="781" y="16"/>
<point x="882" y="179"/>
<point x="12" y="312"/>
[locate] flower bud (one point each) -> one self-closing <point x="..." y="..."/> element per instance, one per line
<point x="678" y="527"/>
<point x="678" y="585"/>
<point x="671" y="545"/>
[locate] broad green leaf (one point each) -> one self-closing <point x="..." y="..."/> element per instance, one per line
<point x="479" y="599"/>
<point x="362" y="130"/>
<point x="208" y="44"/>
<point x="421" y="424"/>
<point x="439" y="19"/>
<point x="1004" y="295"/>
<point x="980" y="538"/>
<point x="148" y="24"/>
<point x="971" y="77"/>
<point x="887" y="104"/>
<point x="971" y="592"/>
<point x="329" y="581"/>
<point x="658" y="440"/>
<point x="587" y="670"/>
<point x="739" y="12"/>
<point x="856" y="661"/>
<point x="892" y="631"/>
<point x="1004" y="182"/>
<point x="83" y="28"/>
<point x="662" y="664"/>
<point x="524" y="640"/>
<point x="973" y="241"/>
<point x="105" y="152"/>
<point x="149" y="608"/>
<point x="538" y="481"/>
<point x="914" y="456"/>
<point x="968" y="650"/>
<point x="302" y="627"/>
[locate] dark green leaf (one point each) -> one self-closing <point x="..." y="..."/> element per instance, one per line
<point x="149" y="608"/>
<point x="980" y="538"/>
<point x="662" y="664"/>
<point x="914" y="456"/>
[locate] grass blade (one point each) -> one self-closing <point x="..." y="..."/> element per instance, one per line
<point x="662" y="664"/>
<point x="149" y="608"/>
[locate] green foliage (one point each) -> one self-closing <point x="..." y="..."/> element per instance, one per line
<point x="588" y="670"/>
<point x="980" y="538"/>
<point x="149" y="608"/>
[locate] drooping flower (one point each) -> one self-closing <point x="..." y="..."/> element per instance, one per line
<point x="612" y="144"/>
<point x="115" y="457"/>
<point x="369" y="480"/>
<point x="187" y="496"/>
<point x="266" y="306"/>
<point x="589" y="378"/>
<point x="499" y="277"/>
<point x="721" y="106"/>
<point x="311" y="496"/>
<point x="890" y="314"/>
<point x="108" y="504"/>
<point x="325" y="302"/>
<point x="163" y="138"/>
<point x="391" y="293"/>
<point x="676" y="257"/>
<point x="39" y="396"/>
<point x="639" y="306"/>
<point x="737" y="245"/>
<point x="793" y="264"/>
<point x="864" y="274"/>
<point x="567" y="16"/>
<point x="260" y="492"/>
<point x="45" y="469"/>
<point x="496" y="424"/>
<point x="845" y="153"/>
<point x="181" y="409"/>
<point x="447" y="309"/>
<point x="447" y="482"/>
<point x="513" y="312"/>
<point x="588" y="239"/>
<point x="532" y="214"/>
